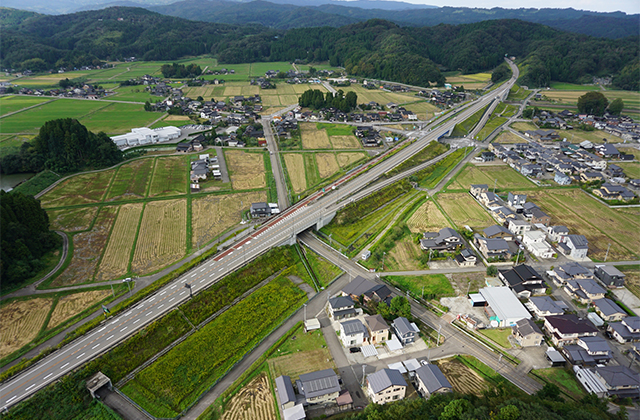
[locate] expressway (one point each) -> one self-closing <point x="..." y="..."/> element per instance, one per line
<point x="276" y="231"/>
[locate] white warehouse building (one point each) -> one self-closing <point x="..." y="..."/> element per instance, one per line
<point x="503" y="307"/>
<point x="144" y="135"/>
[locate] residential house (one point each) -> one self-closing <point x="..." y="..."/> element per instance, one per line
<point x="477" y="189"/>
<point x="591" y="177"/>
<point x="378" y="293"/>
<point x="540" y="217"/>
<point x="527" y="333"/>
<point x="607" y="150"/>
<point x="628" y="330"/>
<point x="378" y="328"/>
<point x="609" y="310"/>
<point x="574" y="246"/>
<point x="357" y="287"/>
<point x="503" y="214"/>
<point x="404" y="330"/>
<point x="567" y="329"/>
<point x="492" y="248"/>
<point x="568" y="271"/>
<point x="518" y="227"/>
<point x="286" y="394"/>
<point x="487" y="156"/>
<point x="516" y="200"/>
<point x="619" y="381"/>
<point x="614" y="192"/>
<point x="557" y="232"/>
<point x="561" y="178"/>
<point x="385" y="386"/>
<point x="341" y="307"/>
<point x="535" y="242"/>
<point x="466" y="258"/>
<point x="489" y="199"/>
<point x="498" y="232"/>
<point x="319" y="387"/>
<point x="543" y="306"/>
<point x="527" y="208"/>
<point x="609" y="275"/>
<point x="445" y="240"/>
<point x="588" y="351"/>
<point x="260" y="210"/>
<point x="523" y="280"/>
<point x="353" y="333"/>
<point x="584" y="290"/>
<point x="184" y="147"/>
<point x="431" y="381"/>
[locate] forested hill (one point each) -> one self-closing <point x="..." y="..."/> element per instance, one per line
<point x="375" y="48"/>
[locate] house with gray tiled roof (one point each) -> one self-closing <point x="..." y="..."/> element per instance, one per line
<point x="609" y="310"/>
<point x="431" y="381"/>
<point x="341" y="307"/>
<point x="585" y="290"/>
<point x="542" y="306"/>
<point x="386" y="385"/>
<point x="353" y="333"/>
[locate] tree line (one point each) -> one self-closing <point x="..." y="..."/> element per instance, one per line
<point x="315" y="99"/>
<point x="181" y="71"/>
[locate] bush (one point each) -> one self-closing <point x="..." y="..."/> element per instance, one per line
<point x="492" y="271"/>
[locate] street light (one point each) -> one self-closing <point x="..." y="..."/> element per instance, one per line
<point x="188" y="286"/>
<point x="128" y="281"/>
<point x="383" y="254"/>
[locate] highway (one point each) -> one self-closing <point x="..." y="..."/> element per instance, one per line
<point x="276" y="231"/>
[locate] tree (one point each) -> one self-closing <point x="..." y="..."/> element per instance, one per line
<point x="400" y="306"/>
<point x="616" y="106"/>
<point x="147" y="106"/>
<point x="492" y="271"/>
<point x="501" y="73"/>
<point x="594" y="103"/>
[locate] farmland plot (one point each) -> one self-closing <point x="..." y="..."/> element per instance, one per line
<point x="506" y="177"/>
<point x="70" y="305"/>
<point x="115" y="261"/>
<point x="299" y="363"/>
<point x="169" y="177"/>
<point x="16" y="103"/>
<point x="345" y="142"/>
<point x="346" y="159"/>
<point x="295" y="168"/>
<point x="463" y="210"/>
<point x="254" y="401"/>
<point x="131" y="180"/>
<point x="21" y="322"/>
<point x="312" y="138"/>
<point x="162" y="237"/>
<point x="80" y="189"/>
<point x="462" y="378"/>
<point x="213" y="214"/>
<point x="427" y="218"/>
<point x="87" y="248"/>
<point x="72" y="220"/>
<point x="247" y="169"/>
<point x="327" y="164"/>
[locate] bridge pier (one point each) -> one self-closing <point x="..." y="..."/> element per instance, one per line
<point x="325" y="220"/>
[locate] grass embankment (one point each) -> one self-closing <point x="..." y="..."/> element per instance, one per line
<point x="430" y="176"/>
<point x="431" y="151"/>
<point x="38" y="183"/>
<point x="565" y="380"/>
<point x="431" y="286"/>
<point x="465" y="127"/>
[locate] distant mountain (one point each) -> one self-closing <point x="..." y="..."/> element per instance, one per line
<point x="338" y="13"/>
<point x="13" y="17"/>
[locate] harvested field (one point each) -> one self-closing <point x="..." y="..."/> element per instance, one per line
<point x="312" y="138"/>
<point x="462" y="378"/>
<point x="70" y="305"/>
<point x="294" y="365"/>
<point x="270" y="100"/>
<point x="115" y="261"/>
<point x="462" y="281"/>
<point x="131" y="180"/>
<point x="80" y="189"/>
<point x="176" y="118"/>
<point x="288" y="99"/>
<point x="295" y="168"/>
<point x="233" y="91"/>
<point x="21" y="322"/>
<point x="246" y="169"/>
<point x="463" y="210"/>
<point x="586" y="216"/>
<point x="346" y="159"/>
<point x="404" y="256"/>
<point x="169" y="177"/>
<point x="72" y="220"/>
<point x="507" y="178"/>
<point x="427" y="218"/>
<point x="162" y="237"/>
<point x="524" y="126"/>
<point x="507" y="137"/>
<point x="345" y="142"/>
<point x="632" y="278"/>
<point x="327" y="164"/>
<point x="254" y="402"/>
<point x="87" y="248"/>
<point x="213" y="214"/>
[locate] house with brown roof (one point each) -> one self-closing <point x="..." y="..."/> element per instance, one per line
<point x="378" y="328"/>
<point x="567" y="329"/>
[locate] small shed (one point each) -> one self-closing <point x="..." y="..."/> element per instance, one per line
<point x="477" y="300"/>
<point x="595" y="319"/>
<point x="555" y="357"/>
<point x="96" y="382"/>
<point x="412" y="365"/>
<point x="311" y="324"/>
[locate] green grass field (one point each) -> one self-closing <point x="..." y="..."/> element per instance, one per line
<point x="336" y="129"/>
<point x="518" y="94"/>
<point x="323" y="269"/>
<point x="131" y="180"/>
<point x="169" y="177"/>
<point x="433" y="285"/>
<point x="80" y="189"/>
<point x="117" y="118"/>
<point x="564" y="379"/>
<point x="631" y="169"/>
<point x="493" y="123"/>
<point x="431" y="176"/>
<point x="30" y="121"/>
<point x="16" y="103"/>
<point x="572" y="86"/>
<point x="499" y="336"/>
<point x="507" y="178"/>
<point x="466" y="126"/>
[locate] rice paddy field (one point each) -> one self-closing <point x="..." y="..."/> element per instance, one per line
<point x="502" y="175"/>
<point x="115" y="260"/>
<point x="70" y="305"/>
<point x="72" y="220"/>
<point x="313" y="138"/>
<point x="507" y="137"/>
<point x="306" y="170"/>
<point x="470" y="81"/>
<point x="570" y="96"/>
<point x="427" y="218"/>
<point x="10" y="104"/>
<point x="81" y="189"/>
<point x="169" y="176"/>
<point x="247" y="170"/>
<point x="463" y="210"/>
<point x="21" y="322"/>
<point x="131" y="180"/>
<point x="600" y="224"/>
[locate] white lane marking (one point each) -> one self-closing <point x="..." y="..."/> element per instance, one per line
<point x="124" y="328"/>
<point x="80" y="356"/>
<point x="128" y="313"/>
<point x="149" y="313"/>
<point x="183" y="292"/>
<point x="201" y="281"/>
<point x="65" y="365"/>
<point x="47" y="376"/>
<point x="152" y="299"/>
<point x="193" y="275"/>
<point x="11" y="399"/>
<point x="160" y="306"/>
<point x="93" y="348"/>
<point x="201" y="270"/>
<point x="136" y="321"/>
<point x="109" y="338"/>
<point x="29" y="387"/>
<point x="173" y="287"/>
<point x="221" y="268"/>
<point x="163" y="293"/>
<point x="101" y="329"/>
<point x="172" y="299"/>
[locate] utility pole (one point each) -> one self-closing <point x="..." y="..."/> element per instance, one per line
<point x="383" y="254"/>
<point x="128" y="281"/>
<point x="495" y="181"/>
<point x="439" y="328"/>
<point x="112" y="292"/>
<point x="607" y="254"/>
<point x="518" y="256"/>
<point x="422" y="297"/>
<point x="305" y="312"/>
<point x="363" y="371"/>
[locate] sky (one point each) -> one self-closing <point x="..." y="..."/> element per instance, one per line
<point x="628" y="6"/>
